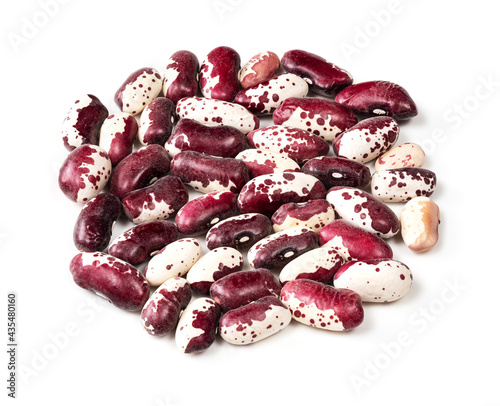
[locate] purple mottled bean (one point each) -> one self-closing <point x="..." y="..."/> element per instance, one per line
<point x="278" y="249"/>
<point x="335" y="171"/>
<point x="110" y="277"/>
<point x="93" y="228"/>
<point x="219" y="74"/>
<point x="402" y="184"/>
<point x="320" y="117"/>
<point x="324" y="77"/>
<point x="161" y="312"/>
<point x="157" y="201"/>
<point x="240" y="288"/>
<point x="140" y="242"/>
<point x="83" y="121"/>
<point x="198" y="215"/>
<point x="181" y="76"/>
<point x="239" y="232"/>
<point x="139" y="169"/>
<point x="222" y="141"/>
<point x="117" y="137"/>
<point x="207" y="173"/>
<point x="157" y="121"/>
<point x="378" y="98"/>
<point x="314" y="214"/>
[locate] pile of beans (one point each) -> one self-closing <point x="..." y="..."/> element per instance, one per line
<point x="314" y="237"/>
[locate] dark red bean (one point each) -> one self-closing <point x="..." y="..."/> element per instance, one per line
<point x="324" y="77"/>
<point x="139" y="169"/>
<point x="314" y="214"/>
<point x="222" y="141"/>
<point x="239" y="232"/>
<point x="109" y="277"/>
<point x="157" y="121"/>
<point x="93" y="228"/>
<point x="219" y="74"/>
<point x="139" y="243"/>
<point x="198" y="215"/>
<point x="335" y="171"/>
<point x="240" y="288"/>
<point x="117" y="136"/>
<point x="377" y="98"/>
<point x="207" y="173"/>
<point x="181" y="76"/>
<point x="157" y="201"/>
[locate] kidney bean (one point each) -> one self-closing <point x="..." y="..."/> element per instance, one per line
<point x="277" y="250"/>
<point x="212" y="266"/>
<point x="265" y="194"/>
<point x="262" y="162"/>
<point x="117" y="137"/>
<point x="323" y="306"/>
<point x="181" y="76"/>
<point x="314" y="214"/>
<point x="139" y="169"/>
<point x="294" y="143"/>
<point x="219" y="74"/>
<point x="367" y="140"/>
<point x="263" y="98"/>
<point x="217" y="112"/>
<point x="140" y="242"/>
<point x="207" y="173"/>
<point x="157" y="201"/>
<point x="201" y="213"/>
<point x="363" y="210"/>
<point x="84" y="173"/>
<point x="259" y="68"/>
<point x="157" y="121"/>
<point x="419" y="224"/>
<point x="335" y="171"/>
<point x="109" y="277"/>
<point x="94" y="225"/>
<point x="239" y="232"/>
<point x="319" y="264"/>
<point x="377" y="280"/>
<point x="324" y="77"/>
<point x="140" y="88"/>
<point x="403" y="184"/>
<point x="352" y="242"/>
<point x="197" y="326"/>
<point x="254" y="321"/>
<point x="241" y="288"/>
<point x="320" y="117"/>
<point x="377" y="98"/>
<point x="81" y="124"/>
<point x="173" y="260"/>
<point x="189" y="135"/>
<point x="161" y="312"/>
<point x="406" y="155"/>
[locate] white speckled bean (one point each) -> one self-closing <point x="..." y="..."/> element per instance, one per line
<point x="314" y="214"/>
<point x="214" y="112"/>
<point x="212" y="266"/>
<point x="261" y="162"/>
<point x="140" y="88"/>
<point x="378" y="280"/>
<point x="176" y="259"/>
<point x="406" y="155"/>
<point x="319" y="265"/>
<point x="254" y="321"/>
<point x="403" y="184"/>
<point x="419" y="224"/>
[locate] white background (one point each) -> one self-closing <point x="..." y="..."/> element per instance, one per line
<point x="435" y="346"/>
